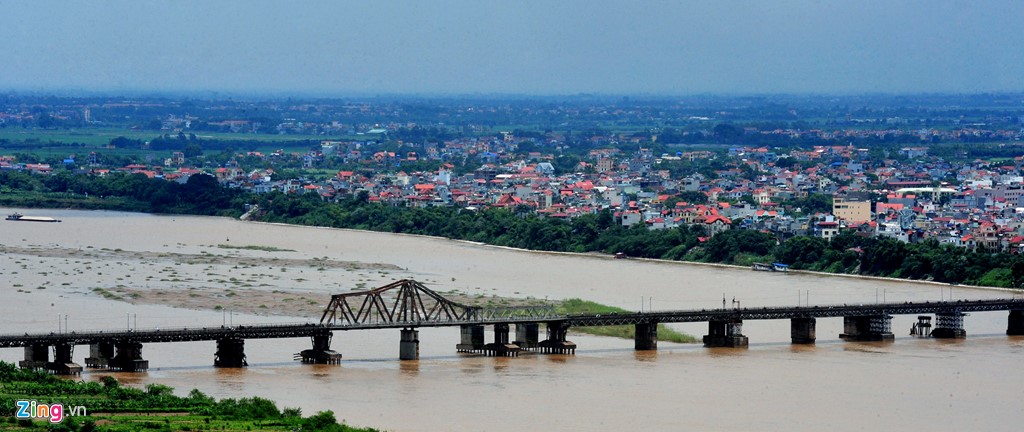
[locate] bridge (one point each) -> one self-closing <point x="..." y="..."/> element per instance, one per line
<point x="408" y="305"/>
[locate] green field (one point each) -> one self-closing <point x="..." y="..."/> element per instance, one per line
<point x="100" y="137"/>
<point x="577" y="306"/>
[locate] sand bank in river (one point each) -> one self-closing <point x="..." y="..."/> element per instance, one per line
<point x="280" y="270"/>
<point x="217" y="278"/>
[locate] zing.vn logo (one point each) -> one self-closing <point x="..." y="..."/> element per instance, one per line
<point x="55" y="413"/>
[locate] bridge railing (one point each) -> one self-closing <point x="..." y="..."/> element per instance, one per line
<point x="165" y="330"/>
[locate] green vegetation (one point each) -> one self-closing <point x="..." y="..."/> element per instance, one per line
<point x="114" y="408"/>
<point x="201" y="194"/>
<point x="100" y="138"/>
<point x="577" y="306"/>
<point x="106" y="294"/>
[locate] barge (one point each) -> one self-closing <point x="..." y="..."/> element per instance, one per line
<point x="23" y="218"/>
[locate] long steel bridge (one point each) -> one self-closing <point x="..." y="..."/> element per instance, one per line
<point x="408" y="305"/>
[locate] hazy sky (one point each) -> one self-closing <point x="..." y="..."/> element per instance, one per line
<point x="513" y="46"/>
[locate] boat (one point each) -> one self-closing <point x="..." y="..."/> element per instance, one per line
<point x="773" y="267"/>
<point x="23" y="218"/>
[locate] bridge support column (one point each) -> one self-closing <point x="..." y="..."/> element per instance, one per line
<point x="527" y="335"/>
<point x="802" y="330"/>
<point x="501" y="347"/>
<point x="923" y="326"/>
<point x="949" y="326"/>
<point x="409" y="347"/>
<point x="867" y="328"/>
<point x="727" y="333"/>
<point x="36" y="357"/>
<point x="99" y="354"/>
<point x="128" y="357"/>
<point x="62" y="363"/>
<point x="1015" y="323"/>
<point x="472" y="339"/>
<point x="321" y="352"/>
<point x="556" y="343"/>
<point x="646" y="337"/>
<point x="230" y="353"/>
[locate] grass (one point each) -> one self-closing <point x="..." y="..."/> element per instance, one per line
<point x="107" y="294"/>
<point x="111" y="407"/>
<point x="577" y="306"/>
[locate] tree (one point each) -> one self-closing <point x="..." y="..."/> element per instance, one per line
<point x="727" y="133"/>
<point x="801" y="252"/>
<point x="122" y="142"/>
<point x="193" y="149"/>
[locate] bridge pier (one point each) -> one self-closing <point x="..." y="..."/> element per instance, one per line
<point x="409" y="347"/>
<point x="501" y="347"/>
<point x="923" y="326"/>
<point x="949" y="325"/>
<point x="871" y="328"/>
<point x="556" y="343"/>
<point x="727" y="333"/>
<point x="1015" y="323"/>
<point x="646" y="336"/>
<point x="99" y="355"/>
<point x="472" y="339"/>
<point x="321" y="352"/>
<point x="230" y="353"/>
<point x="527" y="335"/>
<point x="36" y="357"/>
<point x="802" y="330"/>
<point x="62" y="363"/>
<point x="128" y="357"/>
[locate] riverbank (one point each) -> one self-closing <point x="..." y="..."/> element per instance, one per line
<point x="86" y="406"/>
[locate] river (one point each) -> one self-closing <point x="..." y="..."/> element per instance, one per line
<point x="53" y="269"/>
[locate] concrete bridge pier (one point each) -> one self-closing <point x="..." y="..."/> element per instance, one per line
<point x="230" y="353"/>
<point x="949" y="325"/>
<point x="802" y="330"/>
<point x="501" y="347"/>
<point x="409" y="347"/>
<point x="99" y="355"/>
<point x="872" y="328"/>
<point x="472" y="339"/>
<point x="556" y="343"/>
<point x="646" y="337"/>
<point x="321" y="352"/>
<point x="527" y="335"/>
<point x="128" y="357"/>
<point x="62" y="363"/>
<point x="36" y="357"/>
<point x="726" y="333"/>
<point x="1015" y="323"/>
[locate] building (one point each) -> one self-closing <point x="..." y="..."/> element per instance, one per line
<point x="853" y="207"/>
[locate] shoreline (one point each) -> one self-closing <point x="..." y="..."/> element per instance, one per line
<point x="591" y="255"/>
<point x="603" y="256"/>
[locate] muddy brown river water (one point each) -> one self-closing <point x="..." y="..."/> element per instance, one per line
<point x="51" y="273"/>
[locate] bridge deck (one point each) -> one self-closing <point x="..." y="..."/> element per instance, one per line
<point x="262" y="331"/>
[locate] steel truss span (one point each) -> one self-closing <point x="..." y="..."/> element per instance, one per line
<point x="408" y="302"/>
